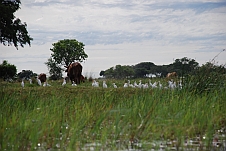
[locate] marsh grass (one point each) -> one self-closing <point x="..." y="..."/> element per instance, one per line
<point x="85" y="118"/>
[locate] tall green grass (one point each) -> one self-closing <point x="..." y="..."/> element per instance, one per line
<point x="73" y="118"/>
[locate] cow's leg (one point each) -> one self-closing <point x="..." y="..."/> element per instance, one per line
<point x="79" y="78"/>
<point x="76" y="81"/>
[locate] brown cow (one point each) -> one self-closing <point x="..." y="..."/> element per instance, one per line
<point x="74" y="72"/>
<point x="42" y="77"/>
<point x="171" y="75"/>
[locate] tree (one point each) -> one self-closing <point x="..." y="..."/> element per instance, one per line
<point x="67" y="51"/>
<point x="102" y="73"/>
<point x="26" y="74"/>
<point x="7" y="70"/>
<point x="12" y="31"/>
<point x="55" y="70"/>
<point x="184" y="65"/>
<point x="143" y="68"/>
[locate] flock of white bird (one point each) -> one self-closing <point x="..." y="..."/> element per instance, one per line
<point x="171" y="84"/>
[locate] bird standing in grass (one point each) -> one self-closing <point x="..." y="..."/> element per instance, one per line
<point x="73" y="83"/>
<point x="95" y="83"/>
<point x="64" y="82"/>
<point x="30" y="80"/>
<point x="125" y="85"/>
<point x="114" y="85"/>
<point x="104" y="84"/>
<point x="22" y="83"/>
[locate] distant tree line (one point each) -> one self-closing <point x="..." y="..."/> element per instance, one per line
<point x="183" y="67"/>
<point x="146" y="69"/>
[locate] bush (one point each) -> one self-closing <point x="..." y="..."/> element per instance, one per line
<point x="208" y="77"/>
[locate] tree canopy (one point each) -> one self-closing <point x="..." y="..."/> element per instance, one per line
<point x="64" y="52"/>
<point x="67" y="51"/>
<point x="144" y="69"/>
<point x="7" y="70"/>
<point x="55" y="70"/>
<point x="12" y="31"/>
<point x="27" y="74"/>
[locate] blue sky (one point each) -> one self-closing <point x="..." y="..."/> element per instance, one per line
<point x="122" y="32"/>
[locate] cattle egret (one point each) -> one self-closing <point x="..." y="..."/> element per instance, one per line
<point x="39" y="82"/>
<point x="64" y="82"/>
<point x="46" y="84"/>
<point x="30" y="80"/>
<point x="172" y="84"/>
<point x="130" y="85"/>
<point x="22" y="83"/>
<point x="125" y="85"/>
<point x="140" y="84"/>
<point x="150" y="83"/>
<point x="104" y="84"/>
<point x="73" y="83"/>
<point x="114" y="85"/>
<point x="145" y="86"/>
<point x="154" y="85"/>
<point x="160" y="85"/>
<point x="135" y="84"/>
<point x="95" y="83"/>
<point x="180" y="84"/>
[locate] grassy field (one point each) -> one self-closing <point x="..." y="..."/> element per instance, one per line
<point x="88" y="118"/>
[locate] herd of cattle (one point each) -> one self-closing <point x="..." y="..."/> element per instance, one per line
<point x="74" y="73"/>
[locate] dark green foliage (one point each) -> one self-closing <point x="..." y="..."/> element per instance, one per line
<point x="118" y="72"/>
<point x="142" y="69"/>
<point x="64" y="53"/>
<point x="181" y="66"/>
<point x="12" y="31"/>
<point x="102" y="73"/>
<point x="26" y="74"/>
<point x="67" y="51"/>
<point x="184" y="66"/>
<point x="55" y="70"/>
<point x="7" y="70"/>
<point x="209" y="77"/>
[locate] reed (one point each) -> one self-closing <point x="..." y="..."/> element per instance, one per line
<point x="84" y="117"/>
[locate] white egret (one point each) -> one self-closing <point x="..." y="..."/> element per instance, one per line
<point x="30" y="80"/>
<point x="160" y="85"/>
<point x="47" y="84"/>
<point x="95" y="83"/>
<point x="150" y="83"/>
<point x="125" y="85"/>
<point x="104" y="84"/>
<point x="135" y="84"/>
<point x="114" y="85"/>
<point x="73" y="83"/>
<point x="145" y="86"/>
<point x="154" y="85"/>
<point x="140" y="84"/>
<point x="64" y="82"/>
<point x="22" y="83"/>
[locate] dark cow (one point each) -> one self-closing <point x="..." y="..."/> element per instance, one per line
<point x="171" y="75"/>
<point x="42" y="77"/>
<point x="74" y="72"/>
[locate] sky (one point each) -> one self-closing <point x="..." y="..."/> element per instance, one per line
<point x="121" y="32"/>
